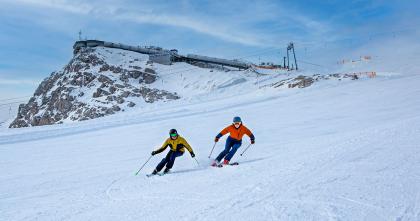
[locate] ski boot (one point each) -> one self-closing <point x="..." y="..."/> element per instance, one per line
<point x="167" y="170"/>
<point x="215" y="163"/>
<point x="225" y="162"/>
<point x="154" y="172"/>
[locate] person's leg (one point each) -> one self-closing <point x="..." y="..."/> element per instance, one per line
<point x="228" y="145"/>
<point x="171" y="161"/>
<point x="164" y="161"/>
<point x="232" y="152"/>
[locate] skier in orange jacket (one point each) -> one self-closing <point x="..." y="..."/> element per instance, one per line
<point x="236" y="131"/>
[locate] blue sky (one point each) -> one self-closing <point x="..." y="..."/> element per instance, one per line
<point x="36" y="36"/>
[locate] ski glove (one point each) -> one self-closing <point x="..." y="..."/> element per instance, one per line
<point x="154" y="153"/>
<point x="192" y="154"/>
<point x="216" y="139"/>
<point x="252" y="141"/>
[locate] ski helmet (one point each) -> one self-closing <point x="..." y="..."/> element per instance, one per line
<point x="173" y="133"/>
<point x="237" y="119"/>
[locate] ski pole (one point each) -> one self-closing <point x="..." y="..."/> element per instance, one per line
<point x="144" y="164"/>
<point x="212" y="149"/>
<point x="197" y="161"/>
<point x="246" y="149"/>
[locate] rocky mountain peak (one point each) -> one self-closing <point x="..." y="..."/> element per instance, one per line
<point x="95" y="83"/>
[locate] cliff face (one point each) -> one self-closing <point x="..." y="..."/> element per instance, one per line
<point x="95" y="83"/>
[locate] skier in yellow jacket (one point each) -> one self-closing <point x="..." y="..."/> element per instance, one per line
<point x="176" y="144"/>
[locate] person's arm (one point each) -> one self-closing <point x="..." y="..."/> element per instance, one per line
<point x="161" y="149"/>
<point x="222" y="133"/>
<point x="189" y="148"/>
<point x="250" y="135"/>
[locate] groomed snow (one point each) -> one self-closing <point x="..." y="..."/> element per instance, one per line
<point x="335" y="151"/>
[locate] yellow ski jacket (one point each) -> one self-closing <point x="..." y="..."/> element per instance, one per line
<point x="176" y="145"/>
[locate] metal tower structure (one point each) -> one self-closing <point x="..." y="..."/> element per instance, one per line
<point x="291" y="48"/>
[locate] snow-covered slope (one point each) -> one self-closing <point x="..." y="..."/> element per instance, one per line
<point x="339" y="150"/>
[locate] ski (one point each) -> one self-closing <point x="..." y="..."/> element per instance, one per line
<point x="230" y="164"/>
<point x="163" y="174"/>
<point x="157" y="174"/>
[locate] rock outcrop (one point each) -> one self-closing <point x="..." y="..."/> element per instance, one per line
<point x="302" y="81"/>
<point x="95" y="83"/>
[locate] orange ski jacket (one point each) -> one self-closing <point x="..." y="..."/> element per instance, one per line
<point x="236" y="134"/>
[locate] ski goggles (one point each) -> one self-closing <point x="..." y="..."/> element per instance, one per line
<point x="173" y="135"/>
<point x="237" y="122"/>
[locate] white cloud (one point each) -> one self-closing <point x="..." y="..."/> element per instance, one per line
<point x="231" y="26"/>
<point x="197" y="26"/>
<point x="80" y="8"/>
